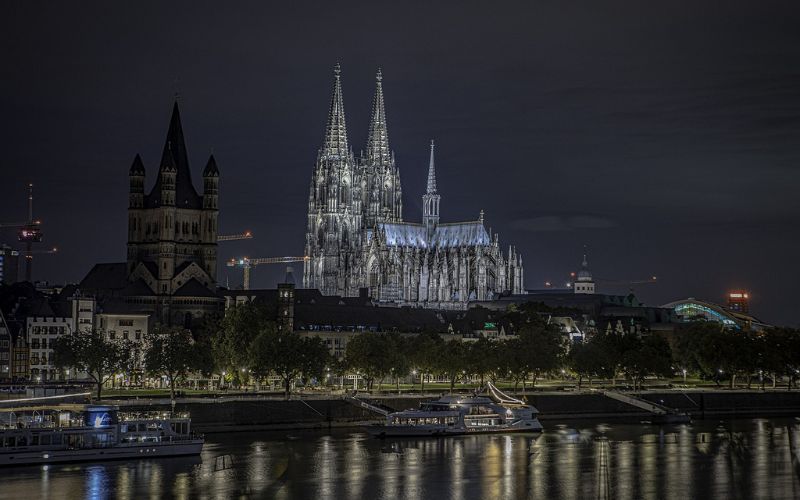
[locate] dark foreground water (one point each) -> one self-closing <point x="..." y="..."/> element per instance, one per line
<point x="707" y="459"/>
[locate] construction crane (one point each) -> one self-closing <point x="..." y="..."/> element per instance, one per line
<point x="30" y="232"/>
<point x="247" y="235"/>
<point x="246" y="264"/>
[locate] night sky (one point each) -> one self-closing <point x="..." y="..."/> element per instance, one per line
<point x="665" y="136"/>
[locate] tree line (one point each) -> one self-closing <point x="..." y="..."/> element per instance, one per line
<point x="246" y="345"/>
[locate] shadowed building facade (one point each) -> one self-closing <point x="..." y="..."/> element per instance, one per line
<point x="356" y="236"/>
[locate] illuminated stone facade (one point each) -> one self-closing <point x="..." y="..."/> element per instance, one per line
<point x="356" y="236"/>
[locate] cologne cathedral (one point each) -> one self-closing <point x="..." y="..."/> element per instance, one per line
<point x="357" y="238"/>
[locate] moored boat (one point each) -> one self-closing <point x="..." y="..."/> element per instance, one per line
<point x="454" y="415"/>
<point x="71" y="433"/>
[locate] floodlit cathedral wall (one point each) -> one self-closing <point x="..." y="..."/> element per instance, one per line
<point x="356" y="236"/>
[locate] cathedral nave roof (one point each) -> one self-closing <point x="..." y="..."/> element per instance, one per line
<point x="444" y="236"/>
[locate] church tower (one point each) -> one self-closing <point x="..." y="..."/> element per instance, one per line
<point x="382" y="194"/>
<point x="172" y="231"/>
<point x="430" y="200"/>
<point x="334" y="214"/>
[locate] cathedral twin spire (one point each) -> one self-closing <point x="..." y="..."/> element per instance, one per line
<point x="378" y="152"/>
<point x="335" y="143"/>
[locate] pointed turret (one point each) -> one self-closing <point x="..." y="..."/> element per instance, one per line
<point x="335" y="143"/>
<point x="378" y="152"/>
<point x="430" y="200"/>
<point x="211" y="169"/>
<point x="431" y="174"/>
<point x="136" y="179"/>
<point x="137" y="167"/>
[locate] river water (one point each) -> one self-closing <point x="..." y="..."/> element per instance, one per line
<point x="706" y="459"/>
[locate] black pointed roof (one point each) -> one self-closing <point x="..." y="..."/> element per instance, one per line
<point x="211" y="169"/>
<point x="137" y="168"/>
<point x="174" y="155"/>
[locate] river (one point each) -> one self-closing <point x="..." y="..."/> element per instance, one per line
<point x="746" y="459"/>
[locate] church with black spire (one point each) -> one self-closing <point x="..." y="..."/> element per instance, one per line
<point x="171" y="264"/>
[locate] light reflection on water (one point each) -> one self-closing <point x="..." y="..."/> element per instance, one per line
<point x="707" y="459"/>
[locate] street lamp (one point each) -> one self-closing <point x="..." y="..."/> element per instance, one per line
<point x="684" y="376"/>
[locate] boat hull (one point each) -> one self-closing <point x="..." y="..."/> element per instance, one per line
<point x="140" y="450"/>
<point x="386" y="431"/>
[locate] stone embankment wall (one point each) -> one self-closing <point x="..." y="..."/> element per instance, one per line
<point x="245" y="414"/>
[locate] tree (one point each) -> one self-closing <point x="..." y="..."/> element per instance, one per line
<point x="287" y="355"/>
<point x="368" y="353"/>
<point x="90" y="351"/>
<point x="482" y="357"/>
<point x="512" y="358"/>
<point x="642" y="357"/>
<point x="589" y="359"/>
<point x="171" y="352"/>
<point x="234" y="333"/>
<point x="399" y="357"/>
<point x="423" y="351"/>
<point x="451" y="360"/>
<point x="717" y="354"/>
<point x="543" y="348"/>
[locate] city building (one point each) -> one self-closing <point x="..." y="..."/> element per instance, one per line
<point x="357" y="237"/>
<point x="739" y="301"/>
<point x="172" y="241"/>
<point x="42" y="332"/>
<point x="5" y="350"/>
<point x="9" y="265"/>
<point x="691" y="309"/>
<point x="594" y="312"/>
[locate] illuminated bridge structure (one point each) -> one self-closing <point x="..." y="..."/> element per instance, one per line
<point x="692" y="309"/>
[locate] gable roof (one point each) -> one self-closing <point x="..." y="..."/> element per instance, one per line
<point x="113" y="276"/>
<point x="193" y="288"/>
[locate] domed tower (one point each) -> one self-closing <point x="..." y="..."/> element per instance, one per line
<point x="584" y="283"/>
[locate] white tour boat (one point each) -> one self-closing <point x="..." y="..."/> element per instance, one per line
<point x="455" y="415"/>
<point x="72" y="433"/>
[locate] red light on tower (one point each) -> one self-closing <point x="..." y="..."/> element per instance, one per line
<point x="739" y="301"/>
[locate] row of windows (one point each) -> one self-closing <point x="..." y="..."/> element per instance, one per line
<point x="112" y="334"/>
<point x="40" y="343"/>
<point x="51" y="330"/>
<point x="39" y="360"/>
